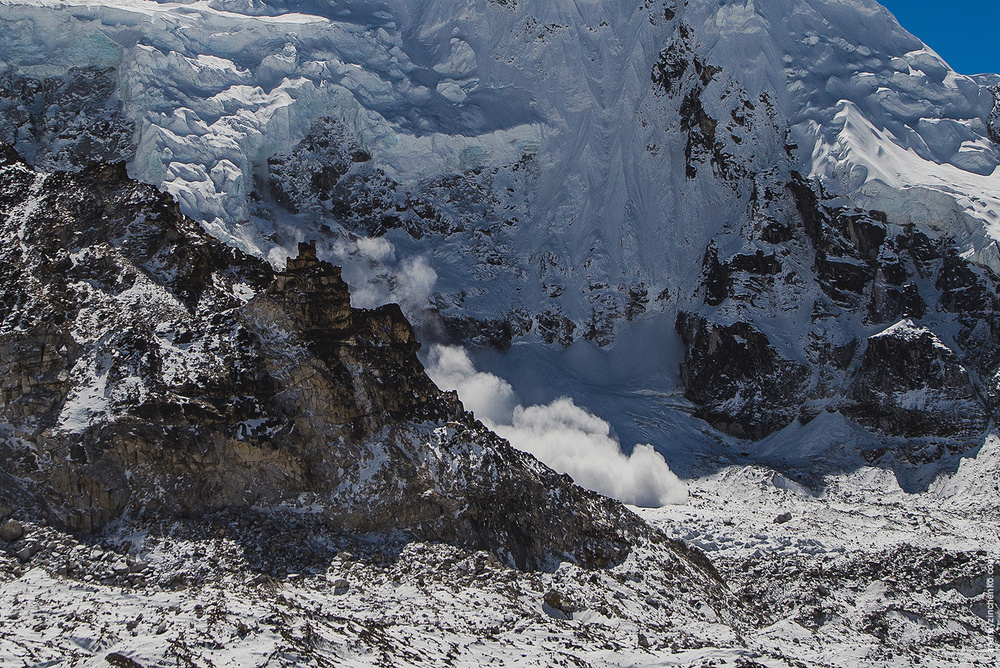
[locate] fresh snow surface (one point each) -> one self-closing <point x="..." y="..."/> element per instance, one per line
<point x="873" y="110"/>
<point x="857" y="574"/>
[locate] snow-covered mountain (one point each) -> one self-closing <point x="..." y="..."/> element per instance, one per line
<point x="757" y="238"/>
<point x="614" y="189"/>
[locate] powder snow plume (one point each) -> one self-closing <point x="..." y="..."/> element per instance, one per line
<point x="561" y="434"/>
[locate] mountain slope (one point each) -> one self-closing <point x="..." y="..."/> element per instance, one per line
<point x="758" y="235"/>
<point x="798" y="174"/>
<point x="151" y="371"/>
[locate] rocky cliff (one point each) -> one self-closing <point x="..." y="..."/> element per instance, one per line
<point x="149" y="370"/>
<point x="731" y="205"/>
<point x="900" y="329"/>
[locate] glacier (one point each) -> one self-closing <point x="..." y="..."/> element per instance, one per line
<point x="570" y="189"/>
<point x="215" y="88"/>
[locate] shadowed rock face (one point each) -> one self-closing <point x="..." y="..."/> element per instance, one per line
<point x="911" y="384"/>
<point x="70" y="119"/>
<point x="901" y="336"/>
<point x="150" y="370"/>
<point x="741" y="384"/>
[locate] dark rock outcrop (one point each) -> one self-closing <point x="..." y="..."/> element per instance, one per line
<point x="742" y="386"/>
<point x="994" y="127"/>
<point x="911" y="384"/>
<point x="150" y="370"/>
<point x="903" y="289"/>
<point x="66" y="121"/>
<point x="846" y="246"/>
<point x="308" y="176"/>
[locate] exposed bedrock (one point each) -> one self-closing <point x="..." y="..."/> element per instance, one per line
<point x="741" y="384"/>
<point x="149" y="370"/>
<point x="900" y="336"/>
<point x="910" y="384"/>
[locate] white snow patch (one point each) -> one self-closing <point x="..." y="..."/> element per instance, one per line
<point x="89" y="398"/>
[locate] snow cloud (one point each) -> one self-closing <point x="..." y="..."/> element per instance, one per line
<point x="413" y="285"/>
<point x="376" y="276"/>
<point x="378" y="249"/>
<point x="491" y="398"/>
<point x="561" y="434"/>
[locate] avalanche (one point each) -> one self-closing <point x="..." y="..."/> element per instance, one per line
<point x="594" y="199"/>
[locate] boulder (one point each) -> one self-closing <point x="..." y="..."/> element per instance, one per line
<point x="11" y="531"/>
<point x="27" y="551"/>
<point x="117" y="660"/>
<point x="558" y="602"/>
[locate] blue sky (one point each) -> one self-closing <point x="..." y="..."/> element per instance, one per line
<point x="964" y="32"/>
